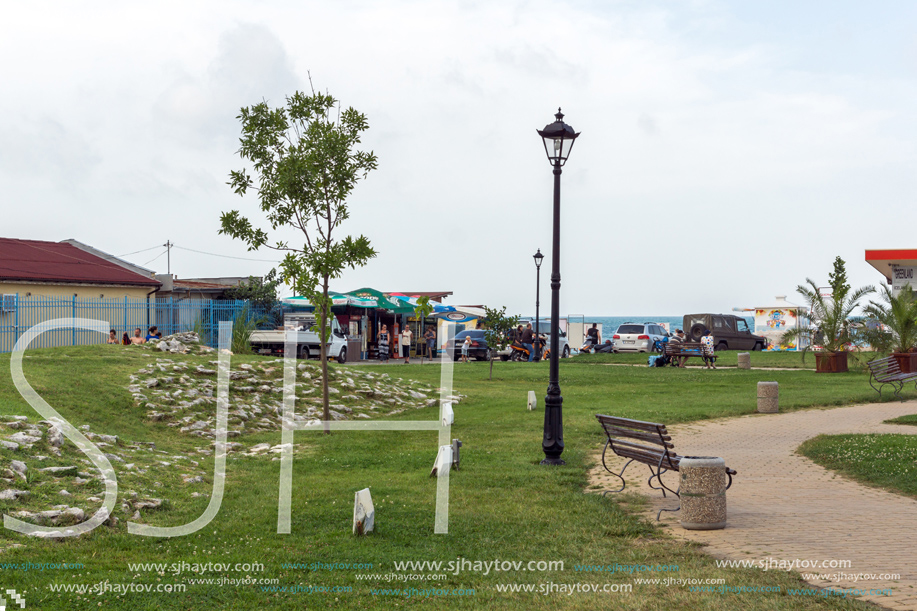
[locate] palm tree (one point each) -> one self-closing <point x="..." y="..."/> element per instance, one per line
<point x="897" y="318"/>
<point x="828" y="317"/>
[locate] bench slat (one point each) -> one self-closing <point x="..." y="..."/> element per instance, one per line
<point x="662" y="440"/>
<point x="652" y="427"/>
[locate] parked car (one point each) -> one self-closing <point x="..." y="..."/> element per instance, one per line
<point x="636" y="337"/>
<point x="478" y="350"/>
<point x="729" y="332"/>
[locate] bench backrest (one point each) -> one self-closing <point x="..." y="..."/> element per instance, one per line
<point x="624" y="435"/>
<point x="884" y="368"/>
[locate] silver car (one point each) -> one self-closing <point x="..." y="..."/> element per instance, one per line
<point x="635" y="337"/>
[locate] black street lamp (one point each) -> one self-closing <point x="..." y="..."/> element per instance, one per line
<point x="538" y="257"/>
<point x="558" y="142"/>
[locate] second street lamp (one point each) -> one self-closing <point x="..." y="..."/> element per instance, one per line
<point x="538" y="258"/>
<point x="558" y="140"/>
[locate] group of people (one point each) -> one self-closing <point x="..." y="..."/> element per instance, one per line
<point x="383" y="340"/>
<point x="707" y="350"/>
<point x="138" y="338"/>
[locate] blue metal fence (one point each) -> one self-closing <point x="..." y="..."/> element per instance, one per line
<point x="123" y="315"/>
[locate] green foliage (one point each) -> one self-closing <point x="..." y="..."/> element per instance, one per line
<point x="242" y="326"/>
<point x="828" y="320"/>
<point x="837" y="279"/>
<point x="497" y="326"/>
<point x="305" y="165"/>
<point x="898" y="315"/>
<point x="261" y="292"/>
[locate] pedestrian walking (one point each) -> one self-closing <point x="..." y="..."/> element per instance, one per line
<point x="406" y="338"/>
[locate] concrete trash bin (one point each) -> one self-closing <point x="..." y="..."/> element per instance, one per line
<point x="768" y="397"/>
<point x="744" y="361"/>
<point x="703" y="492"/>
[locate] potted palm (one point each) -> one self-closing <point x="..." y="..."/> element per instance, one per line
<point x="828" y="328"/>
<point x="893" y="327"/>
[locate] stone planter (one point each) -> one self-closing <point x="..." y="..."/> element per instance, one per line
<point x="907" y="361"/>
<point x="830" y="362"/>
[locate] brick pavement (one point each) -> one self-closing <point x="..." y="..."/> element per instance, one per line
<point x="782" y="505"/>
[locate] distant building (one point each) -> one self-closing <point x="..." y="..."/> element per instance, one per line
<point x="32" y="268"/>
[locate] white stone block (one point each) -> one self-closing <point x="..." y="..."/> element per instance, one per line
<point x="448" y="416"/>
<point x="364" y="514"/>
<point x="533" y="401"/>
<point x="443" y="461"/>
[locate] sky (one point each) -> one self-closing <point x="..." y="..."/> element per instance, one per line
<point x="728" y="150"/>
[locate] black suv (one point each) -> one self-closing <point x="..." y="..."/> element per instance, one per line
<point x="729" y="332"/>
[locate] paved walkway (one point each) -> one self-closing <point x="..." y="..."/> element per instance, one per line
<point x="783" y="506"/>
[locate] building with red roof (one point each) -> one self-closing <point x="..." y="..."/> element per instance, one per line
<point x="61" y="269"/>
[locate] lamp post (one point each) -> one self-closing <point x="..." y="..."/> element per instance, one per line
<point x="538" y="258"/>
<point x="558" y="140"/>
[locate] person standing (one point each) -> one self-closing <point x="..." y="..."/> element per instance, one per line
<point x="706" y="349"/>
<point x="406" y="338"/>
<point x="527" y="341"/>
<point x="430" y="337"/>
<point x="592" y="335"/>
<point x="466" y="346"/>
<point x="382" y="341"/>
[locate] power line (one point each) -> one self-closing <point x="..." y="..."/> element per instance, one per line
<point x="138" y="251"/>
<point x="213" y="254"/>
<point x="156" y="257"/>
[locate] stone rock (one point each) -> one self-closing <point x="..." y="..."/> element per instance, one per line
<point x="246" y="367"/>
<point x="55" y="437"/>
<point x="14" y="418"/>
<point x="147" y="504"/>
<point x="152" y="382"/>
<point x="11" y="494"/>
<point x="114" y="457"/>
<point x="9" y="445"/>
<point x="364" y="514"/>
<point x="239" y="375"/>
<point x="187" y="479"/>
<point x="199" y="425"/>
<point x="23" y="438"/>
<point x="205" y="371"/>
<point x="18" y="466"/>
<point x="416" y="395"/>
<point x="64" y="493"/>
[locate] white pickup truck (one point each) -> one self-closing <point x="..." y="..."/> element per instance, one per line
<point x="307" y="341"/>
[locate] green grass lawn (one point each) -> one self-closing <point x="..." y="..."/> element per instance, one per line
<point x="910" y="419"/>
<point x="503" y="504"/>
<point x="886" y="461"/>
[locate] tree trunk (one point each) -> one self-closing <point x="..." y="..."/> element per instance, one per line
<point x="323" y="355"/>
<point x="491" y="367"/>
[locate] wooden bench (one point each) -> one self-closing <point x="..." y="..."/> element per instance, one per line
<point x="887" y="371"/>
<point x="683" y="350"/>
<point x="645" y="442"/>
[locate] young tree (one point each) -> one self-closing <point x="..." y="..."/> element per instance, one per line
<point x="497" y="326"/>
<point x="305" y="164"/>
<point x="423" y="309"/>
<point x="828" y="319"/>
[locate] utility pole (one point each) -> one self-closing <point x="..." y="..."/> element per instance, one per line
<point x="168" y="246"/>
